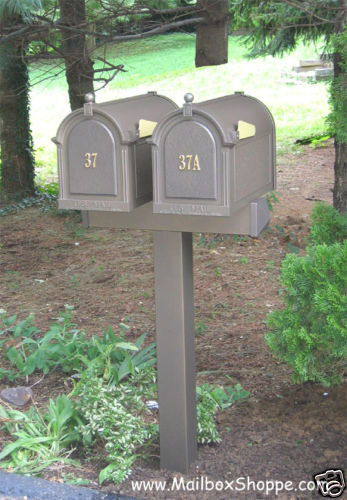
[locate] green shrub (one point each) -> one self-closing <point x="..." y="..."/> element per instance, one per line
<point x="328" y="225"/>
<point x="337" y="118"/>
<point x="310" y="333"/>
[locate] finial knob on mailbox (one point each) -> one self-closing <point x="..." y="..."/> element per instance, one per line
<point x="189" y="98"/>
<point x="90" y="97"/>
<point x="187" y="106"/>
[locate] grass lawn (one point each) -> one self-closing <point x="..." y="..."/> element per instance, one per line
<point x="166" y="64"/>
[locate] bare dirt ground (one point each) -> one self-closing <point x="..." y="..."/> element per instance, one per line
<point x="283" y="432"/>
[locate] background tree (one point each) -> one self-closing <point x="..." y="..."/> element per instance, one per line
<point x="212" y="34"/>
<point x="276" y="26"/>
<point x="79" y="66"/>
<point x="74" y="31"/>
<point x="17" y="161"/>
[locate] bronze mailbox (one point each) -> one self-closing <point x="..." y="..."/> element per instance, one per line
<point x="104" y="159"/>
<point x="213" y="158"/>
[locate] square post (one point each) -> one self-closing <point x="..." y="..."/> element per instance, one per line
<point x="173" y="265"/>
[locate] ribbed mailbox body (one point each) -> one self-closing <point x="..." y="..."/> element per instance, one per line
<point x="213" y="158"/>
<point x="104" y="159"/>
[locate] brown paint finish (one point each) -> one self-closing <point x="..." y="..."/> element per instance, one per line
<point x="103" y="164"/>
<point x="92" y="172"/>
<point x="234" y="168"/>
<point x="190" y="172"/>
<point x="201" y="166"/>
<point x="173" y="266"/>
<point x="251" y="219"/>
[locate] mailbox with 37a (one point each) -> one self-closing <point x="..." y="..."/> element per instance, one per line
<point x="142" y="163"/>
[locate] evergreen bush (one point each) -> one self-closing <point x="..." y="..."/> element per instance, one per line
<point x="310" y="333"/>
<point x="328" y="225"/>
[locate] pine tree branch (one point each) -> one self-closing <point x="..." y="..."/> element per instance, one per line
<point x="155" y="31"/>
<point x="307" y="7"/>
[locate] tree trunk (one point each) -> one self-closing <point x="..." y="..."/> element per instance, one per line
<point x="212" y="35"/>
<point x="79" y="66"/>
<point x="340" y="166"/>
<point x="340" y="185"/>
<point x="17" y="161"/>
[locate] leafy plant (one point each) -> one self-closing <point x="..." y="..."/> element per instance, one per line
<point x="41" y="439"/>
<point x="218" y="271"/>
<point x="315" y="141"/>
<point x="45" y="199"/>
<point x="320" y="142"/>
<point x="292" y="248"/>
<point x="118" y="415"/>
<point x="310" y="333"/>
<point x="108" y="401"/>
<point x="99" y="408"/>
<point x="205" y="415"/>
<point x="210" y="399"/>
<point x="271" y="199"/>
<point x="210" y="240"/>
<point x="71" y="479"/>
<point x="200" y="328"/>
<point x="64" y="346"/>
<point x="59" y="346"/>
<point x="114" y="359"/>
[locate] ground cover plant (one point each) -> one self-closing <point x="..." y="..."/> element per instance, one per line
<point x="43" y="438"/>
<point x="65" y="346"/>
<point x="45" y="199"/>
<point x="115" y="380"/>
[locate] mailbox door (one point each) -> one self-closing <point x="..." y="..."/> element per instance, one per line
<point x="94" y="165"/>
<point x="190" y="168"/>
<point x="92" y="160"/>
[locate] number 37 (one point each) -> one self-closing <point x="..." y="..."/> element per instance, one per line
<point x="90" y="160"/>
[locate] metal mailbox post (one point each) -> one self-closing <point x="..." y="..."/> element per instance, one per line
<point x="211" y="162"/>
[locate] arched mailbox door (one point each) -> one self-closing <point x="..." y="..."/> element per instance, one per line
<point x="104" y="160"/>
<point x="213" y="158"/>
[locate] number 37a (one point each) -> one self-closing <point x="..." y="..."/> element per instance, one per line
<point x="90" y="160"/>
<point x="187" y="164"/>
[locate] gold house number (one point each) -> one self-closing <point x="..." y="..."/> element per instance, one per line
<point x="90" y="160"/>
<point x="188" y="162"/>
